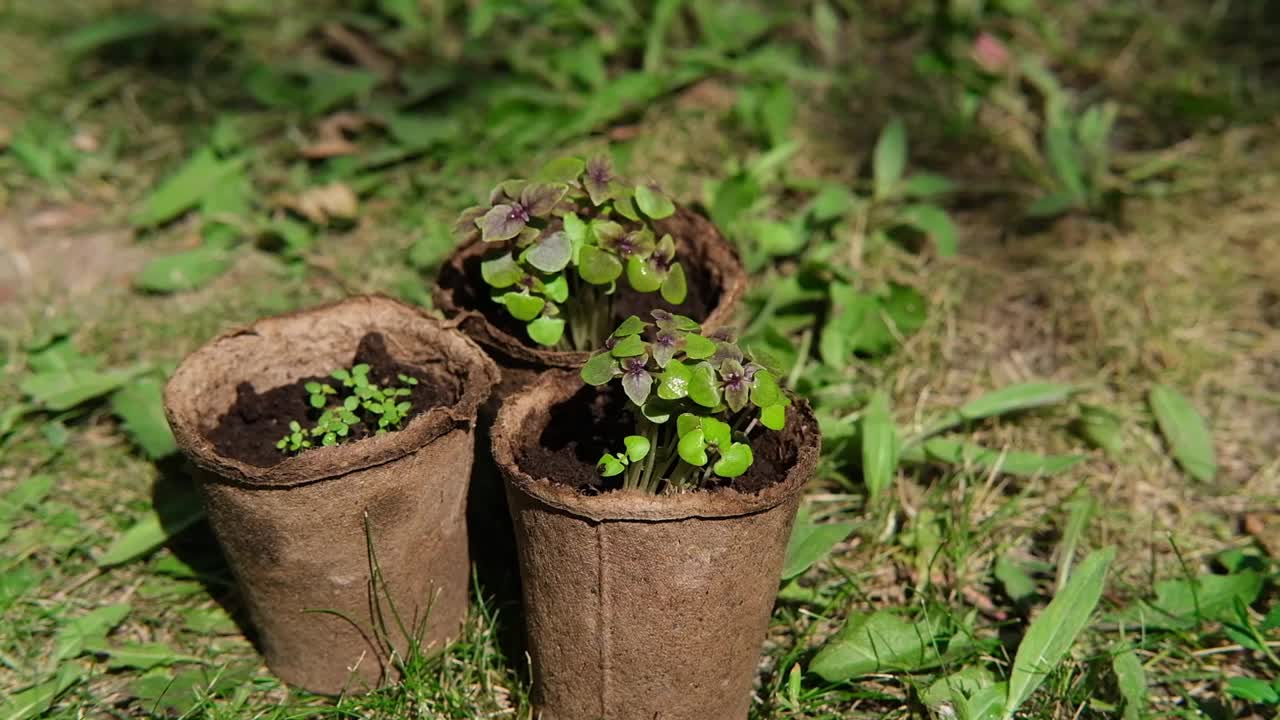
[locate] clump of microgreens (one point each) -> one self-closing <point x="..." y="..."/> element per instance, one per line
<point x="568" y="235"/>
<point x="697" y="423"/>
<point x="362" y="401"/>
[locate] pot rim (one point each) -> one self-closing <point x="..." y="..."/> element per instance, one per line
<point x="731" y="276"/>
<point x="519" y="416"/>
<point x="464" y="359"/>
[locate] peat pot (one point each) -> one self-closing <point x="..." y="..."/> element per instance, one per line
<point x="641" y="606"/>
<point x="344" y="555"/>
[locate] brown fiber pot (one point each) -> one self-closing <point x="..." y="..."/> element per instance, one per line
<point x="294" y="534"/>
<point x="711" y="263"/>
<point x="642" y="606"/>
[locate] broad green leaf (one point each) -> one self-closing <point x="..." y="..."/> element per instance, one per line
<point x="140" y="407"/>
<point x="184" y="270"/>
<point x="556" y="288"/>
<point x="675" y="287"/>
<point x="73" y="637"/>
<point x="599" y="369"/>
<point x="1014" y="398"/>
<point x="36" y="700"/>
<point x="1017" y="584"/>
<point x="185" y="188"/>
<point x="610" y="465"/>
<point x="546" y="330"/>
<point x="175" y="512"/>
<point x="890" y="158"/>
<point x="552" y="254"/>
<point x="501" y="272"/>
<point x="703" y="386"/>
<point x="561" y="170"/>
<point x="522" y="306"/>
<point x="884" y="642"/>
<point x="597" y="266"/>
<point x="642" y="276"/>
<point x="1253" y="690"/>
<point x="955" y="689"/>
<point x="734" y="460"/>
<point x="143" y="656"/>
<point x="1184" y="604"/>
<point x="934" y="222"/>
<point x="1185" y="431"/>
<point x="986" y="704"/>
<point x="637" y="447"/>
<point x="1052" y="633"/>
<point x="674" y="381"/>
<point x="653" y="203"/>
<point x="693" y="448"/>
<point x="774" y="417"/>
<point x="926" y="185"/>
<point x="810" y="542"/>
<point x="28" y="493"/>
<point x="1132" y="681"/>
<point x="1101" y="429"/>
<point x="631" y="326"/>
<point x="879" y="445"/>
<point x="63" y="390"/>
<point x="629" y="346"/>
<point x="1023" y="464"/>
<point x="698" y="347"/>
<point x="776" y="238"/>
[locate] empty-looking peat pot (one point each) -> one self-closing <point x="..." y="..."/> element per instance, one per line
<point x="642" y="606"/>
<point x="303" y="532"/>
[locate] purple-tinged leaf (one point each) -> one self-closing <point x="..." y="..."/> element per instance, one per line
<point x="636" y="380"/>
<point x="607" y="233"/>
<point x="507" y="191"/>
<point x="552" y="254"/>
<point x="540" y="199"/>
<point x="737" y="389"/>
<point x="725" y="350"/>
<point x="665" y="346"/>
<point x="466" y="228"/>
<point x="503" y="222"/>
<point x="598" y="179"/>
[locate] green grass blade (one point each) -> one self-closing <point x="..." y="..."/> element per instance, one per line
<point x="35" y="701"/>
<point x="879" y="445"/>
<point x="1186" y="432"/>
<point x="1055" y="630"/>
<point x="1131" y="679"/>
<point x="890" y="158"/>
<point x="810" y="542"/>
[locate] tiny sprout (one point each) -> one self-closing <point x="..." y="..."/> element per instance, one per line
<point x="717" y="394"/>
<point x="341" y="414"/>
<point x="565" y="239"/>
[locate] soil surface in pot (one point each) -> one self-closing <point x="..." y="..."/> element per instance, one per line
<point x="470" y="291"/>
<point x="594" y="421"/>
<point x="250" y="430"/>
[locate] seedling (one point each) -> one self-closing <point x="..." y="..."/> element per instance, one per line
<point x="362" y="401"/>
<point x="566" y="237"/>
<point x="696" y="401"/>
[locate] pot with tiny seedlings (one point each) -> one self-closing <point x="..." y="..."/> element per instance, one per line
<point x="332" y="447"/>
<point x="652" y="494"/>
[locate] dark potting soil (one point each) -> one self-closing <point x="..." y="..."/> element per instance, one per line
<point x="250" y="430"/>
<point x="594" y="421"/>
<point x="471" y="292"/>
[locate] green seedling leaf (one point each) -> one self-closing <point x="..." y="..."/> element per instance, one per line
<point x="140" y="407"/>
<point x="74" y="637"/>
<point x="832" y="203"/>
<point x="35" y="701"/>
<point x="642" y="276"/>
<point x="704" y="388"/>
<point x="502" y="271"/>
<point x="1021" y="464"/>
<point x="597" y="266"/>
<point x="176" y="512"/>
<point x="883" y="642"/>
<point x="610" y="466"/>
<point x="693" y="448"/>
<point x="631" y="326"/>
<point x="675" y="288"/>
<point x="1014" y="398"/>
<point x="182" y="271"/>
<point x="734" y="460"/>
<point x="890" y="158"/>
<point x="653" y="203"/>
<point x="1184" y="604"/>
<point x="1253" y="690"/>
<point x="717" y="433"/>
<point x="556" y="288"/>
<point x="522" y="306"/>
<point x="697" y="347"/>
<point x="674" y="381"/>
<point x="629" y="346"/>
<point x="1185" y="431"/>
<point x="774" y="417"/>
<point x="546" y="331"/>
<point x="637" y="447"/>
<point x="934" y="222"/>
<point x="1131" y="679"/>
<point x="879" y="445"/>
<point x="185" y="188"/>
<point x="926" y="185"/>
<point x="1053" y="632"/>
<point x="63" y="390"/>
<point x="552" y="254"/>
<point x="561" y="170"/>
<point x="810" y="542"/>
<point x="687" y="423"/>
<point x="599" y="369"/>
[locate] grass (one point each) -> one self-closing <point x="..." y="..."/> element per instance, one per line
<point x="1175" y="285"/>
